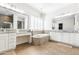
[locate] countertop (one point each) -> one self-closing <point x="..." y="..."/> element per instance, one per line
<point x="66" y="31"/>
<point x="7" y="31"/>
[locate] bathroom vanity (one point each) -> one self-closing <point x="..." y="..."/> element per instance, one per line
<point x="7" y="40"/>
<point x="71" y="38"/>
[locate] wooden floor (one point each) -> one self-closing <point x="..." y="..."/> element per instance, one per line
<point x="50" y="48"/>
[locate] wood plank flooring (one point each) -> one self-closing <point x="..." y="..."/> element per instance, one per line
<point x="50" y="48"/>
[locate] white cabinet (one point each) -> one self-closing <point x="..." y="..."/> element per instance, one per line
<point x="52" y="36"/>
<point x="3" y="42"/>
<point x="12" y="41"/>
<point x="57" y="36"/>
<point x="7" y="41"/>
<point x="66" y="38"/>
<point x="71" y="38"/>
<point x="75" y="39"/>
<point x="60" y="36"/>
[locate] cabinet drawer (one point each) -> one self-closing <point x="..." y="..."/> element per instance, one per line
<point x="77" y="36"/>
<point x="52" y="36"/>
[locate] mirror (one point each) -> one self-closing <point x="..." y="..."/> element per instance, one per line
<point x="6" y="21"/>
<point x="21" y="23"/>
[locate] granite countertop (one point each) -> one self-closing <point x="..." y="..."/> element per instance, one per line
<point x="7" y="31"/>
<point x="66" y="31"/>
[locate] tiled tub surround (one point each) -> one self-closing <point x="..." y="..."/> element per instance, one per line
<point x="71" y="38"/>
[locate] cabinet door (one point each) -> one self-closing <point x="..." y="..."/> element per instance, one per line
<point x="3" y="42"/>
<point x="75" y="41"/>
<point x="12" y="40"/>
<point x="66" y="38"/>
<point x="52" y="35"/>
<point x="58" y="36"/>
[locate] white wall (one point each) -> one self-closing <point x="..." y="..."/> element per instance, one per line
<point x="77" y="22"/>
<point x="26" y="22"/>
<point x="68" y="23"/>
<point x="15" y="21"/>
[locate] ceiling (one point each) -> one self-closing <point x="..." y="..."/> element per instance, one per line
<point x="48" y="7"/>
<point x="5" y="11"/>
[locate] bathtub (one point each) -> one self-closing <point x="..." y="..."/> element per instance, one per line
<point x="40" y="39"/>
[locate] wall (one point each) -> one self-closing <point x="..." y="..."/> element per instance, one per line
<point x="77" y="22"/>
<point x="68" y="23"/>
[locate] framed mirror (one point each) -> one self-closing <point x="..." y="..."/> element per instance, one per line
<point x="21" y="23"/>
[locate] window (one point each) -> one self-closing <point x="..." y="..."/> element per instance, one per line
<point x="36" y="23"/>
<point x="32" y="22"/>
<point x="60" y="26"/>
